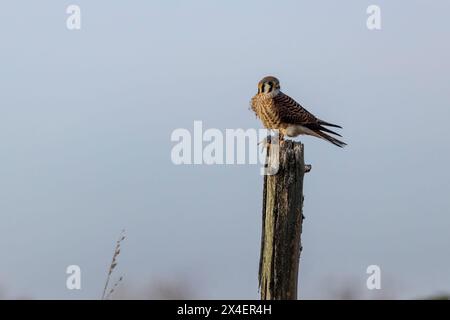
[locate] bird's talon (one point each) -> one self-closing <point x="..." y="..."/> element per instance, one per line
<point x="265" y="143"/>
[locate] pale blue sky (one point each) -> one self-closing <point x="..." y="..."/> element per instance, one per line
<point x="86" y="118"/>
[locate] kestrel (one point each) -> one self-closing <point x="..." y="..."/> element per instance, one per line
<point x="279" y="111"/>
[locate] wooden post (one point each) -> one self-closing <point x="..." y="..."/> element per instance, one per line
<point x="282" y="220"/>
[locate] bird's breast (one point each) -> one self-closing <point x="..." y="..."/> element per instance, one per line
<point x="268" y="113"/>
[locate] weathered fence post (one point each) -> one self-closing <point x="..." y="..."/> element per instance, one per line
<point x="282" y="224"/>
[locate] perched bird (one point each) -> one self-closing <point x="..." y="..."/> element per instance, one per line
<point x="279" y="111"/>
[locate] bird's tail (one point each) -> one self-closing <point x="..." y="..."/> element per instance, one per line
<point x="324" y="123"/>
<point x="331" y="139"/>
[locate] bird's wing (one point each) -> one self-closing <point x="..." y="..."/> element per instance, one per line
<point x="291" y="112"/>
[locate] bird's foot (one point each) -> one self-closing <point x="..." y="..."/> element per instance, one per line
<point x="281" y="139"/>
<point x="265" y="142"/>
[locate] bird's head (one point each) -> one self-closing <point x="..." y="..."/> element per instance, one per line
<point x="269" y="85"/>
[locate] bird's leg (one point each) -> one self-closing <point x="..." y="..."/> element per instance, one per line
<point x="276" y="137"/>
<point x="281" y="138"/>
<point x="271" y="139"/>
<point x="265" y="142"/>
